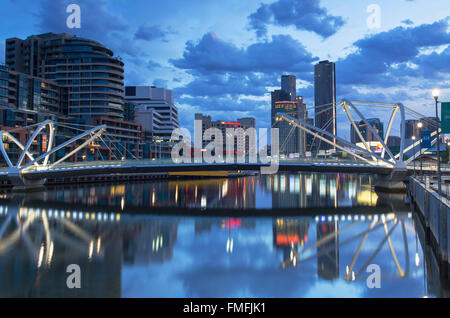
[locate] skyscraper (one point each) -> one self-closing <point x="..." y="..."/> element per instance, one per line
<point x="292" y="139"/>
<point x="325" y="99"/>
<point x="288" y="85"/>
<point x="89" y="71"/>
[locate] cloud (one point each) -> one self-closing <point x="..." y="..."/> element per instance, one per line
<point x="151" y="65"/>
<point x="97" y="22"/>
<point x="214" y="55"/>
<point x="304" y="15"/>
<point x="408" y="22"/>
<point x="151" y="33"/>
<point x="377" y="56"/>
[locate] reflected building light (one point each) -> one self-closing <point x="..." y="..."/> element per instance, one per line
<point x="122" y="203"/>
<point x="346" y="270"/>
<point x="80" y="215"/>
<point x="224" y="188"/>
<point x="154" y="196"/>
<point x="330" y="218"/>
<point x="342" y="217"/>
<point x="229" y="247"/>
<point x="367" y="197"/>
<point x="275" y="183"/>
<point x="40" y="256"/>
<point x="111" y="217"/>
<point x="390" y="216"/>
<point x="308" y="185"/>
<point x="352" y="190"/>
<point x="409" y="215"/>
<point x="117" y="217"/>
<point x="282" y="184"/>
<point x="176" y="193"/>
<point x="292" y="184"/>
<point x="363" y="218"/>
<point x="417" y="259"/>
<point x="203" y="201"/>
<point x="50" y="253"/>
<point x="333" y="189"/>
<point x="99" y="242"/>
<point x="322" y="187"/>
<point x="91" y="249"/>
<point x="353" y="275"/>
<point x="356" y="217"/>
<point x="336" y="218"/>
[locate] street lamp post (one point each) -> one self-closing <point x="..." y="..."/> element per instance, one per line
<point x="436" y="97"/>
<point x="420" y="125"/>
<point x="414" y="153"/>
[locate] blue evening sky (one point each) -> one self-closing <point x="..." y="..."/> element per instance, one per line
<point x="224" y="57"/>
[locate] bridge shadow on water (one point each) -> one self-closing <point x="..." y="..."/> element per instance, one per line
<point x="288" y="235"/>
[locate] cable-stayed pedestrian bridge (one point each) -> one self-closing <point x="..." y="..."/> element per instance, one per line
<point x="34" y="167"/>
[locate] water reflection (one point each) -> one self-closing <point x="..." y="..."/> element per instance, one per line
<point x="282" y="191"/>
<point x="148" y="256"/>
<point x="121" y="254"/>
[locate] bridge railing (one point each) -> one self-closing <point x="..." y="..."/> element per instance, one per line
<point x="119" y="163"/>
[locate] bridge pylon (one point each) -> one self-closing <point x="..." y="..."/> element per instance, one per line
<point x="17" y="171"/>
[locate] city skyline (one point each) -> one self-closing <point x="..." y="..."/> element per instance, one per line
<point x="220" y="68"/>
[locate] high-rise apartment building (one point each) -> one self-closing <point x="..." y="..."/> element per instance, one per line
<point x="366" y="132"/>
<point x="414" y="127"/>
<point x="243" y="123"/>
<point x="155" y="109"/>
<point x="292" y="139"/>
<point x="325" y="99"/>
<point x="88" y="70"/>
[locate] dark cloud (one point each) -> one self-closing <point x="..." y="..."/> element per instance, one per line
<point x="151" y="33"/>
<point x="377" y="56"/>
<point x="228" y="84"/>
<point x="214" y="55"/>
<point x="408" y="22"/>
<point x="302" y="14"/>
<point x="97" y="22"/>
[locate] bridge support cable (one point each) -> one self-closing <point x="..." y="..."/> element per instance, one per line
<point x="369" y="126"/>
<point x="287" y="138"/>
<point x="388" y="131"/>
<point x="325" y="127"/>
<point x="18" y="143"/>
<point x="356" y="128"/>
<point x="97" y="131"/>
<point x="310" y="129"/>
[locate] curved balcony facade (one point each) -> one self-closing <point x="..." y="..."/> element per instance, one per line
<point x="93" y="76"/>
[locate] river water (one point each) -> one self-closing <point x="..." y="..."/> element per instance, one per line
<point x="287" y="235"/>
